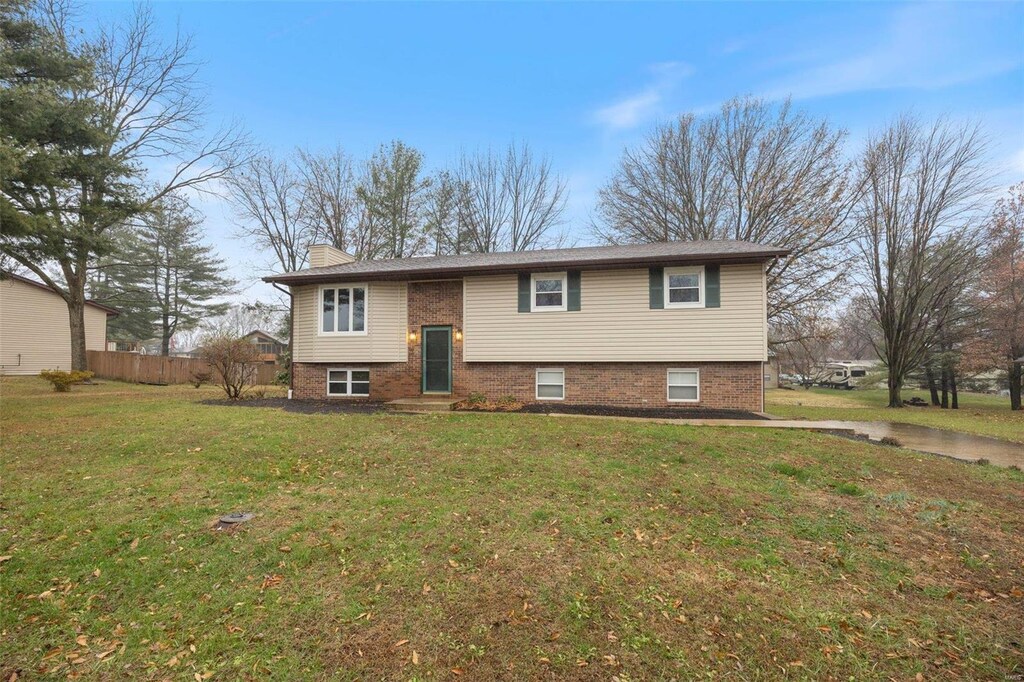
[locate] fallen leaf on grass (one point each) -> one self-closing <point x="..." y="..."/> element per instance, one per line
<point x="82" y="640"/>
<point x="415" y="658"/>
<point x="271" y="581"/>
<point x="6" y="557"/>
<point x="104" y="654"/>
<point x="134" y="545"/>
<point x="401" y="642"/>
<point x="426" y="588"/>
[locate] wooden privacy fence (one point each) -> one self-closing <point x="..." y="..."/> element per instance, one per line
<point x="157" y="369"/>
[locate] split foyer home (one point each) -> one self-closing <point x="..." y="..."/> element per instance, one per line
<point x="648" y="325"/>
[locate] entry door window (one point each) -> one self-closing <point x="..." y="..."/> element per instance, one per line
<point x="437" y="355"/>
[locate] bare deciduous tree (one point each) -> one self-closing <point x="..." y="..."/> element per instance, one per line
<point x="269" y="199"/>
<point x="513" y="201"/>
<point x="915" y="232"/>
<point x="755" y="172"/>
<point x="330" y="206"/>
<point x="1002" y="289"/>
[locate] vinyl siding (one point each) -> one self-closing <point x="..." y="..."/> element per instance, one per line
<point x="34" y="324"/>
<point x="385" y="338"/>
<point x="615" y="322"/>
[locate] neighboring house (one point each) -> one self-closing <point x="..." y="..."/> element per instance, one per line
<point x="271" y="347"/>
<point x="668" y="324"/>
<point x="35" y="333"/>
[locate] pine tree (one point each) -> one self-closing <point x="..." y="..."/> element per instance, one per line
<point x="183" y="276"/>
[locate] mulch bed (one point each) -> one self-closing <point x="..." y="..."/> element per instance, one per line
<point x="305" y="406"/>
<point x="612" y="411"/>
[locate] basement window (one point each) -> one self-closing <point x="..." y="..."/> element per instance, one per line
<point x="550" y="384"/>
<point x="683" y="385"/>
<point x="348" y="382"/>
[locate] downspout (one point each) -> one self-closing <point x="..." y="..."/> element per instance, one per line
<point x="291" y="336"/>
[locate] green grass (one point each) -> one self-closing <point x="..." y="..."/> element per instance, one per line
<point x="471" y="546"/>
<point x="983" y="415"/>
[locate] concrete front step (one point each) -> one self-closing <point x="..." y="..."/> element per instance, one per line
<point x="424" y="403"/>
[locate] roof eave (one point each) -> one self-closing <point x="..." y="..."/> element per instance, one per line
<point x="548" y="266"/>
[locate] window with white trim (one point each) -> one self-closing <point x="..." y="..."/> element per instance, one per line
<point x="683" y="385"/>
<point x="548" y="291"/>
<point x="348" y="382"/>
<point x="550" y="384"/>
<point x="343" y="310"/>
<point x="684" y="287"/>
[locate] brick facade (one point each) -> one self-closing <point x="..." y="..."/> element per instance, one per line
<point x="723" y="385"/>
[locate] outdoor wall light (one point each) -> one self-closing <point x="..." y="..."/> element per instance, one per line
<point x="412" y="337"/>
<point x="458" y="335"/>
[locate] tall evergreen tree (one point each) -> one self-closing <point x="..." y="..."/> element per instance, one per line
<point x="183" y="276"/>
<point x="79" y="121"/>
<point x="392" y="193"/>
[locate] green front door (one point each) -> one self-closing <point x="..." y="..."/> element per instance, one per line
<point x="437" y="359"/>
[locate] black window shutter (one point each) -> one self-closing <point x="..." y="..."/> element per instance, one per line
<point x="524" y="292"/>
<point x="573" y="277"/>
<point x="657" y="280"/>
<point x="712" y="287"/>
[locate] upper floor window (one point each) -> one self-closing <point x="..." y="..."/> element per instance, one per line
<point x="548" y="291"/>
<point x="684" y="287"/>
<point x="343" y="310"/>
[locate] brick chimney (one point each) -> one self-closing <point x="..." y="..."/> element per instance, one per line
<point x="322" y="255"/>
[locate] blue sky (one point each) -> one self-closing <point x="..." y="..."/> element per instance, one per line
<point x="580" y="82"/>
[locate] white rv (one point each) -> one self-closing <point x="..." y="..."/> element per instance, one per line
<point x="846" y="375"/>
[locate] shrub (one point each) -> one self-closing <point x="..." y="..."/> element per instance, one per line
<point x="236" y="362"/>
<point x="507" y="402"/>
<point x="476" y="399"/>
<point x="200" y="378"/>
<point x="62" y="380"/>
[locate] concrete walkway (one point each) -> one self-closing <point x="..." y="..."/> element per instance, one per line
<point x="954" y="444"/>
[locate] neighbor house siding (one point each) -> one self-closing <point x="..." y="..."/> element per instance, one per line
<point x="385" y="340"/>
<point x="34" y="325"/>
<point x="615" y="322"/>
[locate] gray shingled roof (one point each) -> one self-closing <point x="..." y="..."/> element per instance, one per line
<point x="592" y="257"/>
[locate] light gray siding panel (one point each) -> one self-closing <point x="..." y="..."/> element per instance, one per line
<point x="615" y="323"/>
<point x="35" y="332"/>
<point x="385" y="340"/>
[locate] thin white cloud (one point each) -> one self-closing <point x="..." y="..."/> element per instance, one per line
<point x="922" y="47"/>
<point x="640" y="107"/>
<point x="1017" y="163"/>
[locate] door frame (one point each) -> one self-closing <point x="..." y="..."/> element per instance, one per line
<point x="423" y="357"/>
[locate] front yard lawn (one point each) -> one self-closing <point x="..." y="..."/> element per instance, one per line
<point x="980" y="414"/>
<point x="493" y="546"/>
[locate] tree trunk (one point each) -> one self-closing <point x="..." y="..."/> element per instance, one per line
<point x="1016" y="370"/>
<point x="76" y="313"/>
<point x="165" y="337"/>
<point x="933" y="389"/>
<point x="955" y="404"/>
<point x="895" y="387"/>
<point x="945" y="386"/>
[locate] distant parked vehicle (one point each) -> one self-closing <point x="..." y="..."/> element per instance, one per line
<point x="841" y="375"/>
